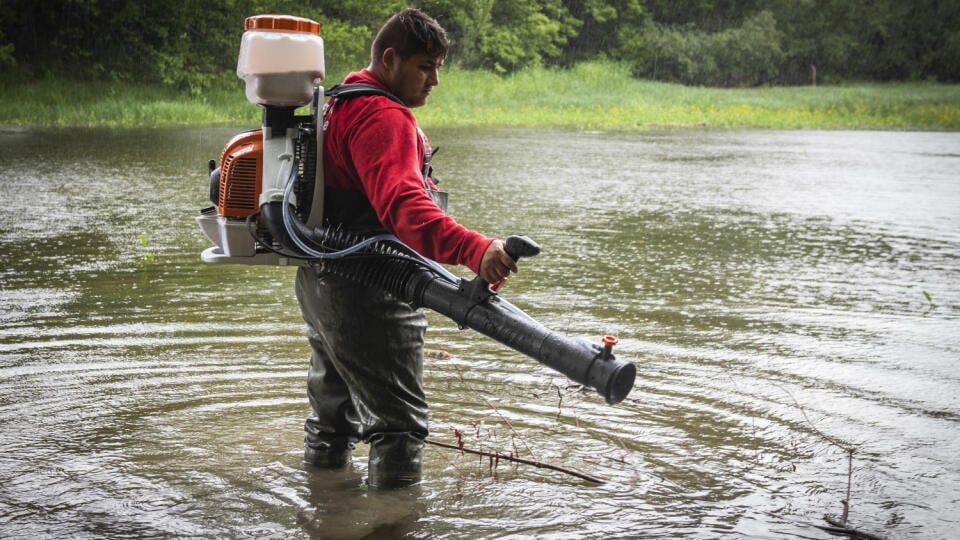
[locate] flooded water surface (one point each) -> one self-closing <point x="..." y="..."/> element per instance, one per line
<point x="790" y="300"/>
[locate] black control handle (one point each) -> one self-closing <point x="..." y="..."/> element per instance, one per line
<point x="521" y="246"/>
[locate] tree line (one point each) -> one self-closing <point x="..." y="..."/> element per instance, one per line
<point x="192" y="44"/>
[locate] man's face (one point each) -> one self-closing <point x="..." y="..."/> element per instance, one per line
<point x="412" y="79"/>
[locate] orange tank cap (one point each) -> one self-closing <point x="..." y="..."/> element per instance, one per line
<point x="610" y="341"/>
<point x="283" y="23"/>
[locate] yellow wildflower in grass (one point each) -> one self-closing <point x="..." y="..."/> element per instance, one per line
<point x="594" y="95"/>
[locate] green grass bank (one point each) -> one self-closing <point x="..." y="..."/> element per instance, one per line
<point x="594" y="95"/>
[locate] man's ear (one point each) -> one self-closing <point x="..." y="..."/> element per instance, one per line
<point x="389" y="57"/>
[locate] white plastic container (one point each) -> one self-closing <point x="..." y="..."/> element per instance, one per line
<point x="281" y="59"/>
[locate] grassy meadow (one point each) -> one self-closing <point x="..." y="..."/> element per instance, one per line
<point x="595" y="95"/>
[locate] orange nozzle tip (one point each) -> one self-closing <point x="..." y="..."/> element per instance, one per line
<point x="610" y="341"/>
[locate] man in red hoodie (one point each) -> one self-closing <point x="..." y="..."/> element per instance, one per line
<point x="365" y="378"/>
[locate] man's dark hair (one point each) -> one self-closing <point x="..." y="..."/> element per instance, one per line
<point x="410" y="32"/>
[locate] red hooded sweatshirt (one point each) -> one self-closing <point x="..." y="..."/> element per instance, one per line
<point x="372" y="145"/>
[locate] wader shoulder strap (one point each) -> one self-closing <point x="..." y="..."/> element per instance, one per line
<point x="359" y="89"/>
<point x="351" y="90"/>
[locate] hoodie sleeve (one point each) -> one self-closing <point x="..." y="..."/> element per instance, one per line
<point x="387" y="154"/>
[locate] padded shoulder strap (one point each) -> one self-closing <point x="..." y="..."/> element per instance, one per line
<point x="359" y="89"/>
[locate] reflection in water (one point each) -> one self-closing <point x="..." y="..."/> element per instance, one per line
<point x="773" y="287"/>
<point x="338" y="506"/>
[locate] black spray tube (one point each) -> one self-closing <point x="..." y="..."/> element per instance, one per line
<point x="581" y="361"/>
<point x="471" y="304"/>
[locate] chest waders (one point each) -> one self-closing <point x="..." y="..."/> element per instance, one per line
<point x="365" y="381"/>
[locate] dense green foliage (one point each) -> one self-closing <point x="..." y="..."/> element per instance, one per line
<point x="191" y="44"/>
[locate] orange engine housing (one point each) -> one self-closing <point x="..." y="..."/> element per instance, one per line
<point x="241" y="168"/>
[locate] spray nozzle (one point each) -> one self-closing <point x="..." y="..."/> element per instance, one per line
<point x="608" y="343"/>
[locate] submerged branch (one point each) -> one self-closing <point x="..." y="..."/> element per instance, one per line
<point x="538" y="464"/>
<point x="843" y="528"/>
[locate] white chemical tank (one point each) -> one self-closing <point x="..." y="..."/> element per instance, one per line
<point x="281" y="59"/>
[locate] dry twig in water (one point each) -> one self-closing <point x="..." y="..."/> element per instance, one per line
<point x="839" y="525"/>
<point x="538" y="464"/>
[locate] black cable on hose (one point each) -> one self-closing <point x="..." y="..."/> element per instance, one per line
<point x="383" y="265"/>
<point x="389" y="269"/>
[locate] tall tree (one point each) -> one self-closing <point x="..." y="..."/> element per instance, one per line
<point x="504" y="35"/>
<point x="606" y="25"/>
<point x="191" y="44"/>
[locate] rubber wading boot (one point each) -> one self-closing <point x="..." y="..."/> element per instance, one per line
<point x="394" y="461"/>
<point x="328" y="455"/>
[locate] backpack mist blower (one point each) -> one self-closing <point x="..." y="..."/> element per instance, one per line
<point x="268" y="197"/>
